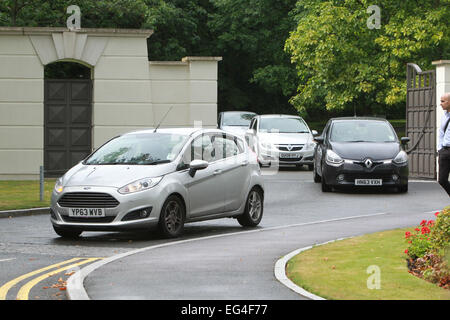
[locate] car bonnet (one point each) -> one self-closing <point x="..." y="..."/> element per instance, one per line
<point x="364" y="150"/>
<point x="115" y="176"/>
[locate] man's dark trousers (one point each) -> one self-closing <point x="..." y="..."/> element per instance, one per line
<point x="444" y="168"/>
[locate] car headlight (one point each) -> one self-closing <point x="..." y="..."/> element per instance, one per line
<point x="401" y="157"/>
<point x="265" y="145"/>
<point x="310" y="145"/>
<point x="140" y="185"/>
<point x="59" y="186"/>
<point x="333" y="159"/>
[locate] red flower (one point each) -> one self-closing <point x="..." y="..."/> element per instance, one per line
<point x="436" y="214"/>
<point x="417" y="229"/>
<point x="425" y="230"/>
<point x="407" y="234"/>
<point x="430" y="223"/>
<point x="424" y="222"/>
<point x="406" y="251"/>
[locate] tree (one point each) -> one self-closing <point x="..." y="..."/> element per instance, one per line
<point x="342" y="64"/>
<point x="180" y="29"/>
<point x="255" y="72"/>
<point x="94" y="13"/>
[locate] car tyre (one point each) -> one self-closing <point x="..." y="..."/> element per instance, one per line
<point x="172" y="217"/>
<point x="316" y="176"/>
<point x="67" y="233"/>
<point x="310" y="167"/>
<point x="403" y="189"/>
<point x="253" y="211"/>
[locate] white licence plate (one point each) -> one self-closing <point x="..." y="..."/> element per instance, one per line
<point x="368" y="182"/>
<point x="290" y="155"/>
<point x="87" y="212"/>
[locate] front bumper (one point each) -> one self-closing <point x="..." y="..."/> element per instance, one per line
<point x="124" y="216"/>
<point x="284" y="158"/>
<point x="392" y="175"/>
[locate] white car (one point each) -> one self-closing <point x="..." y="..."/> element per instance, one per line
<point x="281" y="139"/>
<point x="163" y="178"/>
<point x="235" y="122"/>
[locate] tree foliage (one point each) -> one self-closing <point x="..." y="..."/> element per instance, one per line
<point x="341" y="63"/>
<point x="256" y="72"/>
<point x="95" y="13"/>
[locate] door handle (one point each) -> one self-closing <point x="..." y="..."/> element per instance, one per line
<point x="216" y="172"/>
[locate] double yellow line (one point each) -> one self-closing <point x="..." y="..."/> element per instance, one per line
<point x="25" y="289"/>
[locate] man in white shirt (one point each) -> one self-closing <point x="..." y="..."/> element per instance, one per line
<point x="444" y="144"/>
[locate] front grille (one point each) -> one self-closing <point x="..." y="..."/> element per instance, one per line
<point x="88" y="220"/>
<point x="290" y="159"/>
<point x="88" y="200"/>
<point x="284" y="147"/>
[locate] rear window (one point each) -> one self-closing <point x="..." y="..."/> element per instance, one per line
<point x="237" y="119"/>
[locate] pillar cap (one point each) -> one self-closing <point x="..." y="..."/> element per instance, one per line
<point x="440" y="62"/>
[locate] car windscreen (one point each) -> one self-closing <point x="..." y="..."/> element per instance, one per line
<point x="362" y="131"/>
<point x="283" y="125"/>
<point x="140" y="149"/>
<point x="237" y="119"/>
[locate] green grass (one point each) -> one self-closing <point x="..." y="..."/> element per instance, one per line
<point x="24" y="194"/>
<point x="338" y="271"/>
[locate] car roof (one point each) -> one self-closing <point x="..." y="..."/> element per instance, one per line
<point x="357" y="118"/>
<point x="251" y="112"/>
<point x="278" y="116"/>
<point x="181" y="131"/>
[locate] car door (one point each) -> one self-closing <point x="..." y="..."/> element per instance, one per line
<point x="235" y="169"/>
<point x="321" y="150"/>
<point x="250" y="135"/>
<point x="206" y="188"/>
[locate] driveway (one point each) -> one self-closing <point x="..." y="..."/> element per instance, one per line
<point x="218" y="260"/>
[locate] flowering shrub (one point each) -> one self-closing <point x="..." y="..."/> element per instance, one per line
<point x="440" y="237"/>
<point x="428" y="245"/>
<point x="419" y="240"/>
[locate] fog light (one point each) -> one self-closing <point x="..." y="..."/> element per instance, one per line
<point x="394" y="177"/>
<point x="138" y="214"/>
<point x="340" y="177"/>
<point x="144" y="213"/>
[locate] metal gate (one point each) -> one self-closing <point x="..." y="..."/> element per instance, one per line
<point x="67" y="124"/>
<point x="421" y="121"/>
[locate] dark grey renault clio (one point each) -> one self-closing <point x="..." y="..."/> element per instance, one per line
<point x="360" y="152"/>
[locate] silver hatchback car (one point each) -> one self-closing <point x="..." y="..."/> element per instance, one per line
<point x="282" y="140"/>
<point x="160" y="178"/>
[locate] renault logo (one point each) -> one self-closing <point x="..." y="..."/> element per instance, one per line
<point x="368" y="163"/>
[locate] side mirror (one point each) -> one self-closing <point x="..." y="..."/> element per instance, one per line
<point x="319" y="140"/>
<point x="404" y="140"/>
<point x="197" y="165"/>
<point x="314" y="132"/>
<point x="250" y="131"/>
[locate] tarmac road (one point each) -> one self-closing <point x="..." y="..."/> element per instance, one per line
<point x="226" y="262"/>
<point x="218" y="260"/>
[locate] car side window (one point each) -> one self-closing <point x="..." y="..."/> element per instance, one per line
<point x="253" y="124"/>
<point x="201" y="148"/>
<point x="231" y="146"/>
<point x="226" y="146"/>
